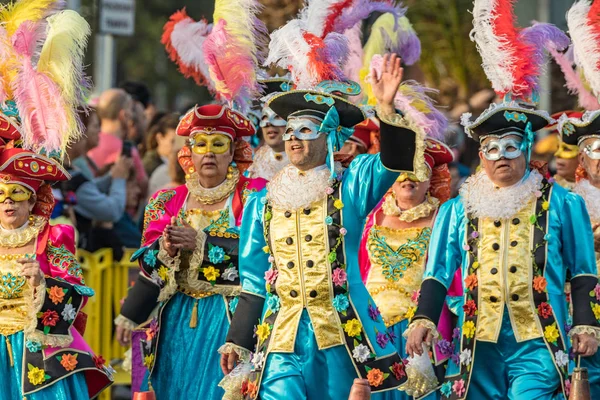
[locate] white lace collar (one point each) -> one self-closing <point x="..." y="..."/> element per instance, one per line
<point x="292" y="189"/>
<point x="591" y="195"/>
<point x="267" y="163"/>
<point x="481" y="198"/>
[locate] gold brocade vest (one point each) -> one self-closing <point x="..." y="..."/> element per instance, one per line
<point x="505" y="276"/>
<point x="300" y="247"/>
<point x="397" y="259"/>
<point x="15" y="294"/>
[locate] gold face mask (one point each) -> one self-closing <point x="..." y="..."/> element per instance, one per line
<point x="14" y="191"/>
<point x="568" y="151"/>
<point x="407" y="176"/>
<point x="215" y="143"/>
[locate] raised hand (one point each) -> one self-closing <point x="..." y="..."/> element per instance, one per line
<point x="386" y="86"/>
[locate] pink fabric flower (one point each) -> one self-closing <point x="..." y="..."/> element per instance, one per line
<point x="329" y="190"/>
<point x="415" y="296"/>
<point x="568" y="387"/>
<point x="271" y="259"/>
<point x="339" y="276"/>
<point x="271" y="276"/>
<point x="538" y="194"/>
<point x="459" y="387"/>
<point x="597" y="291"/>
<point x="343" y="231"/>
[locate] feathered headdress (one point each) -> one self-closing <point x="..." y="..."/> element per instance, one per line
<point x="43" y="53"/>
<point x="513" y="60"/>
<point x="313" y="46"/>
<point x="583" y="20"/>
<point x="224" y="56"/>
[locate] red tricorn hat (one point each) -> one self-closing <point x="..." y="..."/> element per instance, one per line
<point x="215" y="118"/>
<point x="29" y="169"/>
<point x="362" y="132"/>
<point x="437" y="153"/>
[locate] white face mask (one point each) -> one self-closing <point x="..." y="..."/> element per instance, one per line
<point x="497" y="148"/>
<point x="270" y="118"/>
<point x="296" y="126"/>
<point x="592" y="150"/>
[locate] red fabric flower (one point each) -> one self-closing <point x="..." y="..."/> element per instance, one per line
<point x="398" y="370"/>
<point x="244" y="387"/>
<point x="99" y="362"/>
<point x="544" y="310"/>
<point x="50" y="318"/>
<point x="470" y="307"/>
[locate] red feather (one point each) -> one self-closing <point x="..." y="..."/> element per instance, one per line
<point x="594" y="20"/>
<point x="318" y="62"/>
<point x="336" y="10"/>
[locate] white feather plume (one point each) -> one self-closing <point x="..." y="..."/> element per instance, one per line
<point x="585" y="43"/>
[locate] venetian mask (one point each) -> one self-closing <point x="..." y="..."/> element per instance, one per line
<point x="592" y="150"/>
<point x="302" y="129"/>
<point x="502" y="147"/>
<point x="270" y="118"/>
<point x="14" y="191"/>
<point x="216" y="143"/>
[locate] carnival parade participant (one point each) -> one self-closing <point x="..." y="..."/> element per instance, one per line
<point x="270" y="158"/>
<point x="582" y="133"/>
<point x="512" y="234"/>
<point x="42" y="353"/>
<point x="394" y="243"/>
<point x="566" y="156"/>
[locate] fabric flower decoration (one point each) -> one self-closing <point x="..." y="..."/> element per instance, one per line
<point x="596" y="310"/>
<point x="456" y="333"/>
<point x="274" y="303"/>
<point x="211" y="273"/>
<point x="271" y="276"/>
<point x="375" y="377"/>
<point x="99" y="361"/>
<point x="545" y="205"/>
<point x="163" y="273"/>
<point x="150" y="258"/>
<point x="361" y="353"/>
<point x="410" y="313"/>
<point x="465" y="357"/>
<point x="471" y="281"/>
<point x="470" y="307"/>
<point x="36" y="376"/>
<point x="455" y="358"/>
<point x="341" y="303"/>
<point x="544" y="310"/>
<point x="392" y="335"/>
<point x="50" y="318"/>
<point x="68" y="361"/>
<point x="468" y="329"/>
<point x="382" y="339"/>
<point x="271" y="259"/>
<point x="444" y="347"/>
<point x="216" y="255"/>
<point x="597" y="291"/>
<point x="339" y="277"/>
<point x="446" y="389"/>
<point x="539" y="284"/>
<point x="252" y="389"/>
<point x="328" y="220"/>
<point x="551" y="333"/>
<point x="33" y="346"/>
<point x="338" y="204"/>
<point x="329" y="191"/>
<point x="69" y="313"/>
<point x="230" y="274"/>
<point x="233" y="304"/>
<point x="156" y="278"/>
<point x="56" y="294"/>
<point x="567" y="387"/>
<point x="562" y="358"/>
<point x="459" y="387"/>
<point x="374" y="312"/>
<point x="398" y="370"/>
<point x="353" y="327"/>
<point x="263" y="331"/>
<point x="149" y="361"/>
<point x="258" y="360"/>
<point x="343" y="231"/>
<point x="415" y="296"/>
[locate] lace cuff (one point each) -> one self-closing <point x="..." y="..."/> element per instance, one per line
<point x="125" y="322"/>
<point x="585" y="329"/>
<point x="425" y="323"/>
<point x="172" y="264"/>
<point x="229" y="348"/>
<point x="391" y="119"/>
<point x="421" y="378"/>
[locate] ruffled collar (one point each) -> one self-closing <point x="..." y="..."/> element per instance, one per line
<point x="591" y="195"/>
<point x="293" y="189"/>
<point x="267" y="163"/>
<point x="482" y="199"/>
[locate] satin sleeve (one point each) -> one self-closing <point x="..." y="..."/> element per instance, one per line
<point x="366" y="181"/>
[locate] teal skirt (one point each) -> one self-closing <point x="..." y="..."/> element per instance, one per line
<point x="72" y="387"/>
<point x="187" y="362"/>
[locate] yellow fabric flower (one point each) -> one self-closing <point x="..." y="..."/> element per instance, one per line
<point x="338" y="204"/>
<point x="596" y="310"/>
<point x="475" y="265"/>
<point x="410" y="313"/>
<point x="263" y="331"/>
<point x="148" y="360"/>
<point x="545" y="205"/>
<point x="36" y="376"/>
<point x="468" y="329"/>
<point x="551" y="333"/>
<point x="266" y="249"/>
<point x="163" y="273"/>
<point x="353" y="327"/>
<point x="211" y="273"/>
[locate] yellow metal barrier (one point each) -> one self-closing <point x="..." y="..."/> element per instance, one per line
<point x="110" y="280"/>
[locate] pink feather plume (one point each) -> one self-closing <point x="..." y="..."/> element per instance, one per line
<point x="573" y="82"/>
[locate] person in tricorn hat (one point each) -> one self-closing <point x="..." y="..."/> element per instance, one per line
<point x="513" y="236"/>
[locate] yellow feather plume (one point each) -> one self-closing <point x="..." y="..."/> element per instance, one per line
<point x="14" y="14"/>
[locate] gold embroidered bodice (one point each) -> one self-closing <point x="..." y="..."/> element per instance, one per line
<point x="15" y="295"/>
<point x="505" y="276"/>
<point x="397" y="259"/>
<point x="200" y="219"/>
<point x="300" y="246"/>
